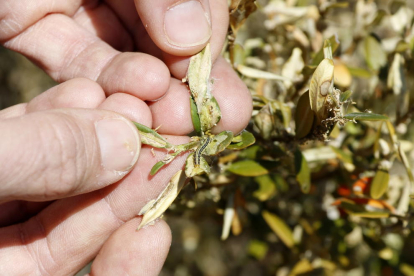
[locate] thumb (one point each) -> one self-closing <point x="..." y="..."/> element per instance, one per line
<point x="177" y="27"/>
<point x="58" y="153"/>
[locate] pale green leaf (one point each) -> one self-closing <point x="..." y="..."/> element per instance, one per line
<point x="302" y="172"/>
<point x="280" y="228"/>
<point x="247" y="168"/>
<point x="406" y="269"/>
<point x="359" y="116"/>
<point x="258" y="249"/>
<point x="242" y="141"/>
<point x="209" y="113"/>
<point x="157" y="167"/>
<point x="333" y="43"/>
<point x="267" y="187"/>
<point x="152" y="138"/>
<point x="379" y="184"/>
<point x="218" y="143"/>
<point x="320" y="86"/>
<point x="155" y="208"/>
<point x="194" y="117"/>
<point x="192" y="169"/>
<point x="375" y="55"/>
<point x="345" y="95"/>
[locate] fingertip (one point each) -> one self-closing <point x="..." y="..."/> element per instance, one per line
<point x="177" y="65"/>
<point x="180" y="28"/>
<point x="75" y="93"/>
<point x="171" y="114"/>
<point x="233" y="97"/>
<point x="129" y="106"/>
<point x="131" y="252"/>
<point x="137" y="74"/>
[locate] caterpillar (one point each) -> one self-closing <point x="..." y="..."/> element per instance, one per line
<point x="199" y="151"/>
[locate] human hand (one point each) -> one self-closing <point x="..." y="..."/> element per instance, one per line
<point x="83" y="43"/>
<point x="93" y="39"/>
<point x="56" y="206"/>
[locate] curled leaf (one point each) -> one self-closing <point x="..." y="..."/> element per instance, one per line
<point x="152" y="138"/>
<point x="320" y="86"/>
<point x="156" y="207"/>
<point x="218" y="143"/>
<point x="209" y="113"/>
<point x="196" y="165"/>
<point x="194" y="116"/>
<point x="198" y="75"/>
<point x="157" y="167"/>
<point x="242" y="141"/>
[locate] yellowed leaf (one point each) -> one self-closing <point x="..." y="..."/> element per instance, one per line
<point x="319" y="88"/>
<point x="155" y="208"/>
<point x="280" y="228"/>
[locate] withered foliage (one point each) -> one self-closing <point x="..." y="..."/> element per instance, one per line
<point x="326" y="188"/>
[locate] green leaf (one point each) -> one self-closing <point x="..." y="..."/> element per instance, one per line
<point x="157" y="167"/>
<point x="345" y="157"/>
<point x="237" y="55"/>
<point x="302" y="172"/>
<point x="253" y="152"/>
<point x="404" y="202"/>
<point x="304" y="116"/>
<point x="151" y="137"/>
<point x="372" y="215"/>
<point x="209" y="113"/>
<point x="194" y="117"/>
<point x="247" y="168"/>
<point x="375" y="55"/>
<point x="267" y="187"/>
<point x="242" y="141"/>
<point x="359" y="72"/>
<point x="406" y="269"/>
<point x="345" y="95"/>
<point x="280" y="228"/>
<point x="379" y="184"/>
<point x="301" y="267"/>
<point x="357" y="116"/>
<point x="334" y="44"/>
<point x="258" y="249"/>
<point x="218" y="143"/>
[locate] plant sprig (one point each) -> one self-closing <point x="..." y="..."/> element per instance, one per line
<point x="205" y="114"/>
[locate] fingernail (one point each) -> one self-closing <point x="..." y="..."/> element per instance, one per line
<point x="119" y="144"/>
<point x="187" y="24"/>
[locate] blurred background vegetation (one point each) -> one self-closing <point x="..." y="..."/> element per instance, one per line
<point x="299" y="201"/>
